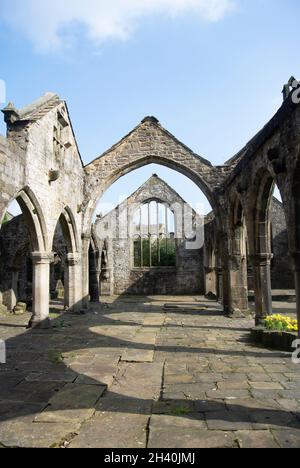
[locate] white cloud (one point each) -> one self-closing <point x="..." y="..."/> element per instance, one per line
<point x="44" y="21"/>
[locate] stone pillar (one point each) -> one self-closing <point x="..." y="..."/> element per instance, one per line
<point x="262" y="286"/>
<point x="219" y="278"/>
<point x="94" y="277"/>
<point x="106" y="286"/>
<point x="73" y="285"/>
<point x="86" y="240"/>
<point x="210" y="280"/>
<point x="296" y="258"/>
<point x="238" y="284"/>
<point x="225" y="264"/>
<point x="226" y="290"/>
<point x="41" y="289"/>
<point x="12" y="293"/>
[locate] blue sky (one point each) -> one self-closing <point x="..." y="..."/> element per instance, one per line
<point x="211" y="71"/>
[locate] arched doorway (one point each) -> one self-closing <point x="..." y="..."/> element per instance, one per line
<point x="33" y="218"/>
<point x="295" y="235"/>
<point x="149" y="143"/>
<point x="65" y="248"/>
<point x="268" y="244"/>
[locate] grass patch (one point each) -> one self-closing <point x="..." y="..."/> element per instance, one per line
<point x="56" y="357"/>
<point x="179" y="411"/>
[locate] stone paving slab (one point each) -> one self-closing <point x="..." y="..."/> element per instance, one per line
<point x="188" y="438"/>
<point x="74" y="403"/>
<point x="33" y="435"/>
<point x="133" y="355"/>
<point x="113" y="429"/>
<point x="257" y="439"/>
<point x="289" y="438"/>
<point x="135" y="373"/>
<point x="228" y="421"/>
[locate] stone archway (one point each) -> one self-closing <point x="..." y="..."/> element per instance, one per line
<point x="72" y="273"/>
<point x="260" y="244"/>
<point x="295" y="236"/>
<point x="148" y="143"/>
<point x="38" y="240"/>
<point x="34" y="219"/>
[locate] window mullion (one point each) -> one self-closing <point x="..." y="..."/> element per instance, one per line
<point x="149" y="236"/>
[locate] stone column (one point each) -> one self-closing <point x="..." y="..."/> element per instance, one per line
<point x="13" y="292"/>
<point x="73" y="285"/>
<point x="262" y="286"/>
<point x="41" y="289"/>
<point x="106" y="287"/>
<point x="219" y="278"/>
<point x="225" y="264"/>
<point x="94" y="277"/>
<point x="238" y="284"/>
<point x="296" y="258"/>
<point x="226" y="290"/>
<point x="210" y="280"/>
<point x="86" y="240"/>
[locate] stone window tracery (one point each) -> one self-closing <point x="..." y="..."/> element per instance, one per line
<point x="154" y="243"/>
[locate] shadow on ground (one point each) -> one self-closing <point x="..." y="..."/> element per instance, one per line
<point x="58" y="381"/>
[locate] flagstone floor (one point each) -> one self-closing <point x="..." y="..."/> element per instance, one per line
<point x="156" y="372"/>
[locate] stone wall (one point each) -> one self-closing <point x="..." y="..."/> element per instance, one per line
<point x="40" y="165"/>
<point x="16" y="263"/>
<point x="282" y="273"/>
<point x="27" y="160"/>
<point x="188" y="275"/>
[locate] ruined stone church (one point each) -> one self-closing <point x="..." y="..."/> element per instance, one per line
<point x="56" y="248"/>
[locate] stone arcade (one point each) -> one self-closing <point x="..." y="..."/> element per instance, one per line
<point x="41" y="168"/>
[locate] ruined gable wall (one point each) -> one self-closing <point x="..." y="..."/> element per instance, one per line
<point x="26" y="159"/>
<point x="186" y="278"/>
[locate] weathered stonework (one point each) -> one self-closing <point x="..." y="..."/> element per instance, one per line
<point x="184" y="278"/>
<point x="40" y="166"/>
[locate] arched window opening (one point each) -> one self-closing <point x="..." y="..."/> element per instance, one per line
<point x="154" y="236"/>
<point x="22" y="233"/>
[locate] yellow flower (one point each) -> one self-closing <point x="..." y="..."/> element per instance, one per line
<point x="281" y="323"/>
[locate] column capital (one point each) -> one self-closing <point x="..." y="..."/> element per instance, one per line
<point x="42" y="258"/>
<point x="86" y="236"/>
<point x="261" y="259"/>
<point x="209" y="269"/>
<point x="73" y="259"/>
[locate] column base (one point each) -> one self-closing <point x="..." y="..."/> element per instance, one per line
<point x="240" y="313"/>
<point x="260" y="321"/>
<point x="42" y="324"/>
<point x="85" y="303"/>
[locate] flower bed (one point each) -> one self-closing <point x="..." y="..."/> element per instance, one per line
<point x="281" y="323"/>
<point x="278" y="332"/>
